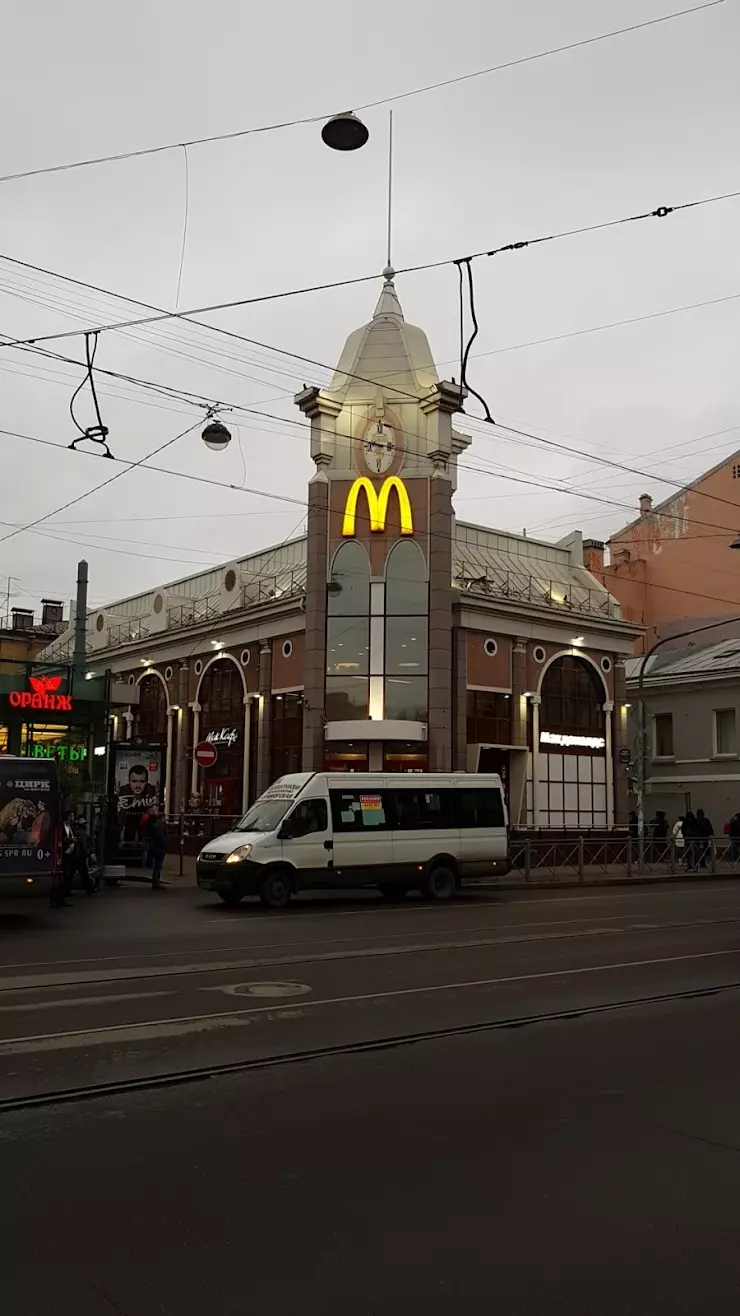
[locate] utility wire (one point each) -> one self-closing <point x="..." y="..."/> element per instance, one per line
<point x="130" y="466"/>
<point x="184" y="226"/>
<point x="660" y="212"/>
<point x="368" y="105"/>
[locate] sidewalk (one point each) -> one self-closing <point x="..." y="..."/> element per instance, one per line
<point x="565" y="877"/>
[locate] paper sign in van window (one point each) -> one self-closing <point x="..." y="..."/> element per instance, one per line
<point x="370" y="802"/>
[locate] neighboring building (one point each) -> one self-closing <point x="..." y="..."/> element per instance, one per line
<point x="390" y="636"/>
<point x="21" y="638"/>
<point x="692" y="730"/>
<point x="673" y="565"/>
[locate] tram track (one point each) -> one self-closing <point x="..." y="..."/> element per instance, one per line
<point x="10" y="985"/>
<point x="208" y="1072"/>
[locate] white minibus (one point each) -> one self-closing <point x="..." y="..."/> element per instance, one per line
<point x="335" y="830"/>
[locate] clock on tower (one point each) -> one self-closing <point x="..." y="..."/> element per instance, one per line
<point x="379" y="446"/>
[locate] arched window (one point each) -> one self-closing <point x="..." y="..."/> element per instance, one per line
<point x="348" y="635"/>
<point x="406" y="588"/>
<point x="572" y="697"/>
<point x="150" y="718"/>
<point x="349" y="587"/>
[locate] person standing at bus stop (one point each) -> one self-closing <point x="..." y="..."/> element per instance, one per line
<point x="157" y="835"/>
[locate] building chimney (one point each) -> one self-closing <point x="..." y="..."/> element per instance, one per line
<point x="646" y="504"/>
<point x="22" y="619"/>
<point x="593" y="556"/>
<point x="52" y="612"/>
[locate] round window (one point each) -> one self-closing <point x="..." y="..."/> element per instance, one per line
<point x="538" y="653"/>
<point x="99" y="622"/>
<point x="287" y="648"/>
<point x="606" y="664"/>
<point x="168" y="673"/>
<point x="230" y="580"/>
<point x="490" y="647"/>
<point x="198" y="666"/>
<point x="131" y="680"/>
<point x="245" y="657"/>
<point x="158" y="604"/>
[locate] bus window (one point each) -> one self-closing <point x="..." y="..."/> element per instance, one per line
<point x="479" y="808"/>
<point x="358" y="810"/>
<point x="419" y="809"/>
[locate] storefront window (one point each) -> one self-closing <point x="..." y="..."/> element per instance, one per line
<point x="346" y="698"/>
<point x="406" y="590"/>
<point x="488" y="717"/>
<point x="348" y="646"/>
<point x="150" y="717"/>
<point x="287" y="734"/>
<point x="572" y="697"/>
<point x="221" y="697"/>
<point x="349" y="588"/>
<point x="346" y="756"/>
<point x="406" y="756"/>
<point x="406" y="646"/>
<point x="406" y="698"/>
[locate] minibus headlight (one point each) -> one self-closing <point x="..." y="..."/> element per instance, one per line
<point x="236" y="856"/>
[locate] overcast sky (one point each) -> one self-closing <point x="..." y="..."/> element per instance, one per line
<point x="646" y="119"/>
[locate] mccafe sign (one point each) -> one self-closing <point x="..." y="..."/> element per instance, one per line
<point x="44" y="694"/>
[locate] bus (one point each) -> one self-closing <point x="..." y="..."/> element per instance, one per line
<point x="398" y="832"/>
<point x="30" y="823"/>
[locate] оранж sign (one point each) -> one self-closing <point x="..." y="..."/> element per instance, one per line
<point x="377" y="504"/>
<point x="42" y="695"/>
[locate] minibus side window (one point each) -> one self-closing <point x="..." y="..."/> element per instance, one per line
<point x="359" y="810"/>
<point x="479" y="808"/>
<point x="418" y="809"/>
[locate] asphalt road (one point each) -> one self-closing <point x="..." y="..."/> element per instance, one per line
<point x="519" y="1103"/>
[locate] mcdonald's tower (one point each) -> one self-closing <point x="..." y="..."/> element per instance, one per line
<point x="378" y="668"/>
<point x="391" y="637"/>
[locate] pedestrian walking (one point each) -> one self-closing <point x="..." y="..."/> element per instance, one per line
<point x="157" y="848"/>
<point x="659" y="829"/>
<point x="733" y="831"/>
<point x="679" y="840"/>
<point x="690" y="834"/>
<point x="62" y="882"/>
<point x="705" y="832"/>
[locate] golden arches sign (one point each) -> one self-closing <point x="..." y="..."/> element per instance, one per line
<point x="377" y="504"/>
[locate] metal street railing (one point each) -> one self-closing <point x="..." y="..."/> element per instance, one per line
<point x="580" y="858"/>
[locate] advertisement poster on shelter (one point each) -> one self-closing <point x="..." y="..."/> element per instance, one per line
<point x="29" y="818"/>
<point x="137" y="783"/>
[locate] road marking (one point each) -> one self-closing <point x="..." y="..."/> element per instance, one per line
<point x="82" y="1001"/>
<point x="110" y="1031"/>
<point x="267" y="989"/>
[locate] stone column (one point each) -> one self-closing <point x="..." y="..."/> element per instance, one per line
<point x="314" y="661"/>
<point x="609" y="752"/>
<point x="168" y="792"/>
<point x="536" y="701"/>
<point x="518" y="758"/>
<point x="459" y="703"/>
<point x="264" y="725"/>
<point x="438" y="408"/>
<point x="246" y="745"/>
<point x="197" y="710"/>
<point x="440" y="622"/>
<point x="181" y="778"/>
<point x="619" y="740"/>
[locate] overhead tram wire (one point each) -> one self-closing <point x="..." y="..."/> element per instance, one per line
<point x="660" y="212"/>
<point x="237" y="488"/>
<point x="520" y="478"/>
<point x="368" y="105"/>
<point x="71" y="502"/>
<point x="538" y="440"/>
